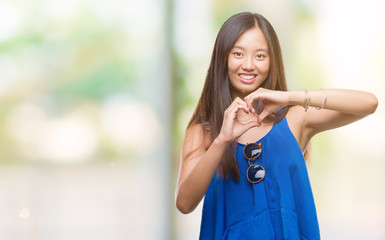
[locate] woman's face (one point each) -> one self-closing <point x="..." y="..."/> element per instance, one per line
<point x="248" y="62"/>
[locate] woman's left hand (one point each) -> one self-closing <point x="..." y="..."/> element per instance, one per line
<point x="272" y="101"/>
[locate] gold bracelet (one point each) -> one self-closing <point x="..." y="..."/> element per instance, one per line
<point x="325" y="95"/>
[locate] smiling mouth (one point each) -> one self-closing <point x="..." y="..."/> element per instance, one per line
<point x="247" y="78"/>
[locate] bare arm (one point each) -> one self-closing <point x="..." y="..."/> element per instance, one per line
<point x="341" y="108"/>
<point x="200" y="157"/>
<point x="197" y="168"/>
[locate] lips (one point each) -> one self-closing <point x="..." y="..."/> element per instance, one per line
<point x="247" y="78"/>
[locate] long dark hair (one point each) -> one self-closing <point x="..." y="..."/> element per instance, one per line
<point x="216" y="94"/>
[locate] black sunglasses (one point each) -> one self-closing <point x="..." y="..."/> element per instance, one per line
<point x="255" y="173"/>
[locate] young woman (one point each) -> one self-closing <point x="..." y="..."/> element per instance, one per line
<point x="243" y="148"/>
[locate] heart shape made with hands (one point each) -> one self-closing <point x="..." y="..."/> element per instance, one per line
<point x="244" y="117"/>
<point x="259" y="106"/>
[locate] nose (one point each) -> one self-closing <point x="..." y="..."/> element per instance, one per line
<point x="248" y="64"/>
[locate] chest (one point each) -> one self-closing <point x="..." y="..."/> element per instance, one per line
<point x="255" y="134"/>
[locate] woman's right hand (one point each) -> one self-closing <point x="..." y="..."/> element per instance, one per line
<point x="232" y="128"/>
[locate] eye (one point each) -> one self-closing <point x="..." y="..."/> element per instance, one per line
<point x="237" y="54"/>
<point x="260" y="57"/>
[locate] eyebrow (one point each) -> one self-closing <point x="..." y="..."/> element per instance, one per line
<point x="257" y="50"/>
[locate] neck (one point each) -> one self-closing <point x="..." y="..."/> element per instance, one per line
<point x="235" y="94"/>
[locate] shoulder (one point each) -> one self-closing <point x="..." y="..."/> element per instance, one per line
<point x="196" y="137"/>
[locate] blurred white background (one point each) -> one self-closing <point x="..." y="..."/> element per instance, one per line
<point x="95" y="97"/>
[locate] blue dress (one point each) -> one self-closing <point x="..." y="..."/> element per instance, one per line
<point x="281" y="206"/>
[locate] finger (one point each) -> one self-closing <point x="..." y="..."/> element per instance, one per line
<point x="262" y="116"/>
<point x="251" y="104"/>
<point x="231" y="112"/>
<point x="252" y="109"/>
<point x="251" y="99"/>
<point x="248" y="101"/>
<point x="236" y="102"/>
<point x="242" y="103"/>
<point x="241" y="106"/>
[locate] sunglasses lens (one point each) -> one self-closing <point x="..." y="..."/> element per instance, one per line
<point x="255" y="173"/>
<point x="252" y="151"/>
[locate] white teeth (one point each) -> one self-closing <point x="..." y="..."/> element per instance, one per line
<point x="247" y="77"/>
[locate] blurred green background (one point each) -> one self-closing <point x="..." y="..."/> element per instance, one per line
<point x="95" y="97"/>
